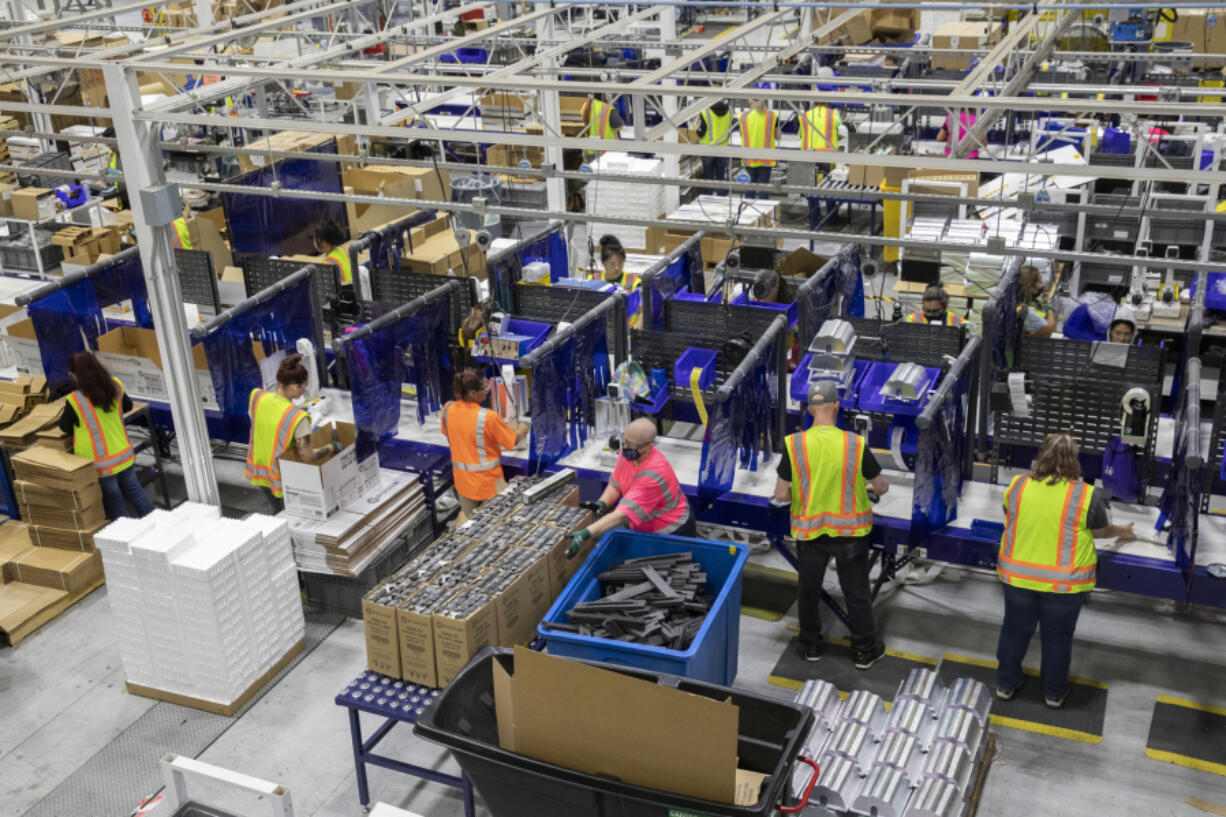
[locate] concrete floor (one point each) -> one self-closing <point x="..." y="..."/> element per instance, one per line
<point x="66" y="701"/>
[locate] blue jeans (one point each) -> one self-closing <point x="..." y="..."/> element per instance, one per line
<point x="759" y="175"/>
<point x="120" y="489"/>
<point x="715" y="169"/>
<point x="1056" y="616"/>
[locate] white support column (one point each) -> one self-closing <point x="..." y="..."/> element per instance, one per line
<point x="551" y="113"/>
<point x="204" y="13"/>
<point x="142" y="161"/>
<point x="672" y="161"/>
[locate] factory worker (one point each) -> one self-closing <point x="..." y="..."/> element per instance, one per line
<point x="328" y="240"/>
<point x="644" y="492"/>
<point x="276" y="424"/>
<point x="1038" y="318"/>
<point x="935" y="308"/>
<point x="180" y="234"/>
<point x="1047" y="564"/>
<point x="601" y="118"/>
<point x="613" y="264"/>
<point x="770" y="288"/>
<point x="714" y="128"/>
<point x="1123" y="326"/>
<point x="95" y="422"/>
<point x="826" y="477"/>
<point x="966" y="121"/>
<point x="477" y="437"/>
<point x="759" y="129"/>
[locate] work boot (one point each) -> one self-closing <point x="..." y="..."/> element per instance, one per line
<point x="866" y="658"/>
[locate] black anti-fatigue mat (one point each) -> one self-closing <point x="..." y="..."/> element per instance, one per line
<point x="883" y="678"/>
<point x="1188" y="733"/>
<point x="1080" y="719"/>
<point x="767" y="592"/>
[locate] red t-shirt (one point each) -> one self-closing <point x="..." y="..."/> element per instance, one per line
<point x="651" y="495"/>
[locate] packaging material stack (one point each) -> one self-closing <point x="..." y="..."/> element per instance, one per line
<point x="38" y="582"/>
<point x="58" y="495"/>
<point x="87" y="157"/>
<point x="925" y="754"/>
<point x="488" y="583"/>
<point x="626" y="199"/>
<point x="207" y="608"/>
<point x="19" y="399"/>
<point x="7" y="123"/>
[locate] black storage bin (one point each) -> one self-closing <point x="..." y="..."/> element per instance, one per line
<point x="463" y="719"/>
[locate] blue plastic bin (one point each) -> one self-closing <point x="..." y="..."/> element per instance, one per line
<point x="871" y="398"/>
<point x="712" y="655"/>
<point x="694" y="358"/>
<point x="527" y="334"/>
<point x="741" y="299"/>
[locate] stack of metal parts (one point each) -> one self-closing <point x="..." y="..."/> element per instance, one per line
<point x="918" y="759"/>
<point x="653" y="600"/>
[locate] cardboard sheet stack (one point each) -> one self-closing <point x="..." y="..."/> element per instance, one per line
<point x="626" y="199"/>
<point x="18" y="399"/>
<point x="35" y="580"/>
<point x="723" y="210"/>
<point x="363" y="529"/>
<point x="58" y="495"/>
<point x="206" y="608"/>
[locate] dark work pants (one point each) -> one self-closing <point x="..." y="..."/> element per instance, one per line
<point x="851" y="561"/>
<point x="1056" y="615"/>
<point x="120" y="490"/>
<point x="276" y="503"/>
<point x="759" y="175"/>
<point x="715" y="169"/>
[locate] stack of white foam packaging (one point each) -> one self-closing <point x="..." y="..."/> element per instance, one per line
<point x="627" y="199"/>
<point x="205" y="606"/>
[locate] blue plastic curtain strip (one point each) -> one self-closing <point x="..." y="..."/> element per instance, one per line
<point x="564" y="387"/>
<point x="739" y="430"/>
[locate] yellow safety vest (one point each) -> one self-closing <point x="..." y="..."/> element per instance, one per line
<point x="182" y="237"/>
<point x="1047" y="545"/>
<point x="100" y="435"/>
<point x="717" y="128"/>
<point x="599" y="114"/>
<point x="113" y="161"/>
<point x="950" y="318"/>
<point x="758" y="131"/>
<point x="273" y="419"/>
<point x="819" y="129"/>
<point x="339" y="258"/>
<point x="829" y="493"/>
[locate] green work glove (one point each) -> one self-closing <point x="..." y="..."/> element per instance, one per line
<point x="576" y="541"/>
<point x="598" y="506"/>
<point x="337" y="447"/>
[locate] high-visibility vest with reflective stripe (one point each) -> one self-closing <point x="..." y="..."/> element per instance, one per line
<point x="273" y="419"/>
<point x="598" y="117"/>
<point x="340" y="259"/>
<point x="1047" y="545"/>
<point x="100" y="435"/>
<point x="674" y="511"/>
<point x="113" y="161"/>
<point x="476" y="473"/>
<point x="817" y="129"/>
<point x="717" y="128"/>
<point x="951" y="319"/>
<point x="182" y="237"/>
<point x="829" y="493"/>
<point x="758" y="131"/>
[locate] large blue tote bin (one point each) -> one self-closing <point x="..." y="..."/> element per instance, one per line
<point x="711" y="656"/>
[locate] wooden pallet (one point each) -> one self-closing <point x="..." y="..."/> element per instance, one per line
<point x="989" y="753"/>
<point x="217" y="708"/>
<point x="26" y="628"/>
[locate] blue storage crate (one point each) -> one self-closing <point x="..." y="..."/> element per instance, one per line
<point x="741" y="299"/>
<point x="798" y="386"/>
<point x="711" y="656"/>
<point x="693" y="358"/>
<point x="871" y="398"/>
<point x="527" y="335"/>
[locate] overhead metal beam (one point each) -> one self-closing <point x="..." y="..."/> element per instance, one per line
<point x="683" y="63"/>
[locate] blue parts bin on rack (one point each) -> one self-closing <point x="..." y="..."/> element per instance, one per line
<point x="711" y="656"/>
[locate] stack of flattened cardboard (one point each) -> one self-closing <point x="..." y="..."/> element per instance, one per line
<point x="19" y="397"/>
<point x="350" y="540"/>
<point x="40" y="425"/>
<point x="59" y="495"/>
<point x="35" y="580"/>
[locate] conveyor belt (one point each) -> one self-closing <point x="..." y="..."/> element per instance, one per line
<point x="839" y="190"/>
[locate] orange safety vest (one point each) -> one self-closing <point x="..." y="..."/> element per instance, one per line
<point x="339" y="258"/>
<point x="598" y="115"/>
<point x="758" y="131"/>
<point x="829" y="493"/>
<point x="1047" y="545"/>
<point x="100" y="435"/>
<point x="950" y="319"/>
<point x="815" y="137"/>
<point x="476" y="436"/>
<point x="273" y="419"/>
<point x="181" y="238"/>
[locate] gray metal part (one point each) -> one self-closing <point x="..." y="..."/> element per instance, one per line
<point x="921" y="685"/>
<point x="884" y="794"/>
<point x="972" y="696"/>
<point x="839" y="782"/>
<point x="950" y="761"/>
<point x="935" y="798"/>
<point x="961" y="727"/>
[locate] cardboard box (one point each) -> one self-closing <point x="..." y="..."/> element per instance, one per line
<point x="6" y="197"/>
<point x="715" y="249"/>
<point x="683" y="743"/>
<point x="800" y="263"/>
<point x="134" y="356"/>
<point x="20" y="602"/>
<point x="31" y="494"/>
<point x="382" y="643"/>
<point x="14" y="541"/>
<point x="894" y="23"/>
<point x="1192" y="26"/>
<point x="54" y="469"/>
<point x="856" y="31"/>
<point x="513" y="155"/>
<point x="41" y="417"/>
<point x="458" y="640"/>
<point x="315" y="490"/>
<point x="23" y="342"/>
<point x="206" y="236"/>
<point x="436" y="252"/>
<point x="521" y="606"/>
<point x="947" y="181"/>
<point x="419" y="183"/>
<point x="88" y="518"/>
<point x="415" y="644"/>
<point x="65" y="538"/>
<point x="966" y="35"/>
<point x="34" y="203"/>
<point x="58" y="569"/>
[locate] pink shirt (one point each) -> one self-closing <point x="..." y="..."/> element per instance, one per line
<point x="966" y="121"/>
<point x="651" y="496"/>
